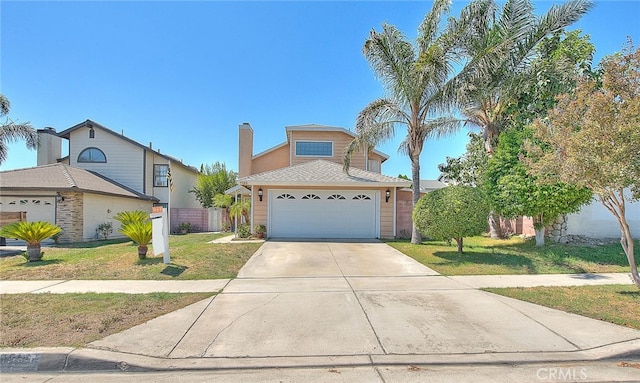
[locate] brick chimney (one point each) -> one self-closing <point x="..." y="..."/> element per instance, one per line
<point x="245" y="149"/>
<point x="49" y="146"/>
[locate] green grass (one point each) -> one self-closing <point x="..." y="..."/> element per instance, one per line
<point x="73" y="320"/>
<point x="485" y="256"/>
<point x="192" y="257"/>
<point x="619" y="304"/>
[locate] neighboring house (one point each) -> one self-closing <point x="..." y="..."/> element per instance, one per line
<point x="104" y="173"/>
<point x="298" y="189"/>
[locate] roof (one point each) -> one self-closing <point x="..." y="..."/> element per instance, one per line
<point x="89" y="123"/>
<point x="322" y="173"/>
<point x="238" y="189"/>
<point x="429" y="185"/>
<point x="60" y="177"/>
<point x="325" y="128"/>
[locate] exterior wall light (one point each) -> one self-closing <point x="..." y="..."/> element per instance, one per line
<point x="260" y="194"/>
<point x="387" y="195"/>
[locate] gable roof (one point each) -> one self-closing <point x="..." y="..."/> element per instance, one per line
<point x="325" y="128"/>
<point x="61" y="177"/>
<point x="92" y="124"/>
<point x="322" y="173"/>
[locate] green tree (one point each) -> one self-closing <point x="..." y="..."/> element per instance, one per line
<point x="11" y="131"/>
<point x="33" y="233"/>
<point x="213" y="180"/>
<point x="467" y="169"/>
<point x="595" y="140"/>
<point x="513" y="192"/>
<point x="453" y="212"/>
<point x="413" y="75"/>
<point x="500" y="45"/>
<point x="224" y="201"/>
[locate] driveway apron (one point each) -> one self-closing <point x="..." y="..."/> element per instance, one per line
<point x="336" y="299"/>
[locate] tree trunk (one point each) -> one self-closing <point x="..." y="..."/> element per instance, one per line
<point x="142" y="252"/>
<point x="540" y="236"/>
<point x="416" y="237"/>
<point x="495" y="231"/>
<point x="34" y="252"/>
<point x="627" y="244"/>
<point x="459" y="242"/>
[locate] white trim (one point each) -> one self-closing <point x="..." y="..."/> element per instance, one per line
<point x="295" y="149"/>
<point x="395" y="203"/>
<point x="356" y="185"/>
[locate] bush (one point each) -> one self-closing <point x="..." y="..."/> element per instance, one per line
<point x="33" y="233"/>
<point x="104" y="230"/>
<point x="126" y="217"/>
<point x="244" y="230"/>
<point x="452" y="212"/>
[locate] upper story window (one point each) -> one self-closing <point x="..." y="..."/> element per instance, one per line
<point x="160" y="175"/>
<point x="314" y="148"/>
<point x="92" y="155"/>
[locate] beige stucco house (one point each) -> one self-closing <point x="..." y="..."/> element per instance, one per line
<point x="104" y="173"/>
<point x="298" y="189"/>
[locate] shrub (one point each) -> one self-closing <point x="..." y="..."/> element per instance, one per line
<point x="244" y="230"/>
<point x="126" y="217"/>
<point x="104" y="230"/>
<point x="33" y="233"/>
<point x="140" y="233"/>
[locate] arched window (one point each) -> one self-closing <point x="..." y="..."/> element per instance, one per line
<point x="92" y="155"/>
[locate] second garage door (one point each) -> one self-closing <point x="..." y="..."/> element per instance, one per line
<point x="323" y="214"/>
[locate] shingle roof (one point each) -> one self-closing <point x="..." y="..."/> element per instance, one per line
<point x="62" y="177"/>
<point x="321" y="173"/>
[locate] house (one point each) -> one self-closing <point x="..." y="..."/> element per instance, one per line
<point x="104" y="173"/>
<point x="298" y="189"/>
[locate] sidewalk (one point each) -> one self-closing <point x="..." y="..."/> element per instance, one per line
<point x="215" y="285"/>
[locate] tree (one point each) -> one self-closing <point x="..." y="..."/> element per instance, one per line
<point x="11" y="131"/>
<point x="224" y="201"/>
<point x="500" y="48"/>
<point x="513" y="192"/>
<point x="467" y="169"/>
<point x="595" y="140"/>
<point x="140" y="232"/>
<point x="413" y="75"/>
<point x="453" y="212"/>
<point x="33" y="233"/>
<point x="213" y="180"/>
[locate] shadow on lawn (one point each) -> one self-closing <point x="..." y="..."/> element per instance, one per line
<point x="44" y="262"/>
<point x="519" y="262"/>
<point x="174" y="270"/>
<point x="91" y="244"/>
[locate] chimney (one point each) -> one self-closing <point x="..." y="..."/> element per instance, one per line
<point x="49" y="146"/>
<point x="245" y="149"/>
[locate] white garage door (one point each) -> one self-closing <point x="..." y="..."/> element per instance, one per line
<point x="323" y="214"/>
<point x="37" y="208"/>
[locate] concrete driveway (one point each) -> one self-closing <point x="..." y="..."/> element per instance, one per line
<point x="342" y="303"/>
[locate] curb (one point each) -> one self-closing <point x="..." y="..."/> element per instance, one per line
<point x="84" y="359"/>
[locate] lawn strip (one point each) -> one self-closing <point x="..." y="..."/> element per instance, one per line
<point x="485" y="256"/>
<point x="73" y="320"/>
<point x="192" y="257"/>
<point x="619" y="304"/>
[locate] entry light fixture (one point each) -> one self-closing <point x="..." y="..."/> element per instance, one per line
<point x="260" y="194"/>
<point x="59" y="198"/>
<point x="387" y="195"/>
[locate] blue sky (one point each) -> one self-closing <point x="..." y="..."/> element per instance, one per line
<point x="183" y="75"/>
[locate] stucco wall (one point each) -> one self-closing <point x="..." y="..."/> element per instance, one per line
<point x="100" y="209"/>
<point x="340" y="141"/>
<point x="596" y="221"/>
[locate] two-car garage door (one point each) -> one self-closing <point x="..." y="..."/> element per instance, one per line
<point x="294" y="213"/>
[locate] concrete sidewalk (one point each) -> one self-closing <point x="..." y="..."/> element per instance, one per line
<point x="214" y="285"/>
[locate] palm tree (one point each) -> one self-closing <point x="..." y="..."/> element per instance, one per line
<point x="414" y="76"/>
<point x="11" y="131"/>
<point x="500" y="48"/>
<point x="33" y="233"/>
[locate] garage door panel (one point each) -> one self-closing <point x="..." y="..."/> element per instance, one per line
<point x="37" y="208"/>
<point x="323" y="214"/>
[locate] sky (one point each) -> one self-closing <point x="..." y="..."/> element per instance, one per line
<point x="184" y="75"/>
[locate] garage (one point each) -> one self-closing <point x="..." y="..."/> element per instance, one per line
<point x="38" y="208"/>
<point x="295" y="213"/>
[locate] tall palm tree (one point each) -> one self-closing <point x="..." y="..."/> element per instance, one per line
<point x="10" y="131"/>
<point x="414" y="76"/>
<point x="500" y="46"/>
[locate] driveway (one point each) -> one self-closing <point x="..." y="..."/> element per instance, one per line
<point x="326" y="303"/>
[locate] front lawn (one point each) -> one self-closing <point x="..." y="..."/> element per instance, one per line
<point x="485" y="256"/>
<point x="73" y="320"/>
<point x="619" y="304"/>
<point x="192" y="257"/>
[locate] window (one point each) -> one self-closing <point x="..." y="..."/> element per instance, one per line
<point x="314" y="148"/>
<point x="336" y="196"/>
<point x="311" y="196"/>
<point x="361" y="197"/>
<point x="285" y="196"/>
<point x="92" y="155"/>
<point x="160" y="178"/>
